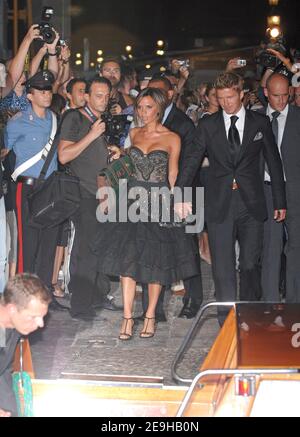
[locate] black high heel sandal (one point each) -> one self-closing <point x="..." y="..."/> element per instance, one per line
<point x="124" y="335"/>
<point x="145" y="333"/>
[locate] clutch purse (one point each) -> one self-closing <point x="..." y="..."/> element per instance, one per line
<point x="121" y="168"/>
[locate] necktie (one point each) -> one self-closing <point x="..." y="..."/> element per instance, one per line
<point x="234" y="136"/>
<point x="274" y="122"/>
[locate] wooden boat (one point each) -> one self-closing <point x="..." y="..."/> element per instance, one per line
<point x="257" y="352"/>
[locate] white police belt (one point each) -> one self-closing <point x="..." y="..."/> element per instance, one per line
<point x="40" y="155"/>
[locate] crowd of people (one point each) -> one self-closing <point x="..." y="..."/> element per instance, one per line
<point x="238" y="137"/>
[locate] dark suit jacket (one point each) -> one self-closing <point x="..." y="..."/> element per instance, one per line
<point x="290" y="154"/>
<point x="178" y="122"/>
<point x="258" y="142"/>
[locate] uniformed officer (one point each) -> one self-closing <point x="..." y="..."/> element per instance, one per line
<point x="26" y="134"/>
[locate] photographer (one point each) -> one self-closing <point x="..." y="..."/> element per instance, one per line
<point x="84" y="149"/>
<point x="16" y="65"/>
<point x="274" y="60"/>
<point x="2" y="227"/>
<point x="235" y="63"/>
<point x="47" y="50"/>
<point x="16" y="99"/>
<point x="64" y="71"/>
<point x="181" y="69"/>
<point x="111" y="70"/>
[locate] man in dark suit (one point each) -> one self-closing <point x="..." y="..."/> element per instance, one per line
<point x="285" y="121"/>
<point x="236" y="141"/>
<point x="178" y="122"/>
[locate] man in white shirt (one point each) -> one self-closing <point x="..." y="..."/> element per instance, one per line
<point x="285" y="120"/>
<point x="236" y="141"/>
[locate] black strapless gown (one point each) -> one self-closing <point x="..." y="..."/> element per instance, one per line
<point x="147" y="252"/>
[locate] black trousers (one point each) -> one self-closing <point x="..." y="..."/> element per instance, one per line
<point x="272" y="251"/>
<point x="87" y="285"/>
<point x="292" y="247"/>
<point x="36" y="247"/>
<point x="241" y="226"/>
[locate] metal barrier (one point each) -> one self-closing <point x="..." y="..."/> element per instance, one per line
<point x="177" y="378"/>
<point x="236" y="372"/>
<point x="189" y="335"/>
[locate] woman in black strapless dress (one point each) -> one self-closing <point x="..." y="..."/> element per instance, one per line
<point x="148" y="251"/>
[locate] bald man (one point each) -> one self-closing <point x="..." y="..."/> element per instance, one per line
<point x="285" y="120"/>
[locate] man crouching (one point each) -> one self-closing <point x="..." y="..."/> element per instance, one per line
<point x="23" y="306"/>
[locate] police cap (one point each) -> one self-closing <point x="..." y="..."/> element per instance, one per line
<point x="43" y="80"/>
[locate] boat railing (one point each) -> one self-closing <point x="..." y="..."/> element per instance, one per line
<point x="231" y="372"/>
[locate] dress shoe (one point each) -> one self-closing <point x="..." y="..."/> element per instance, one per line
<point x="189" y="310"/>
<point x="86" y="316"/>
<point x="56" y="306"/>
<point x="107" y="304"/>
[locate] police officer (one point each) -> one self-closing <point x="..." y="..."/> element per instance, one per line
<point x="26" y="134"/>
<point x="2" y="231"/>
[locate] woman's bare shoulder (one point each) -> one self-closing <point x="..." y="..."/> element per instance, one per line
<point x="169" y="132"/>
<point x="174" y="137"/>
<point x="133" y="131"/>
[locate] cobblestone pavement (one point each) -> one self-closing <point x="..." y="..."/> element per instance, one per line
<point x="67" y="345"/>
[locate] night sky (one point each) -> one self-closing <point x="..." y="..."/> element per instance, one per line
<point x="110" y="24"/>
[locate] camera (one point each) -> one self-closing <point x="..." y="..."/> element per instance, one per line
<point x="267" y="59"/>
<point x="46" y="31"/>
<point x="115" y="126"/>
<point x="60" y="44"/>
<point x="241" y="62"/>
<point x="184" y="63"/>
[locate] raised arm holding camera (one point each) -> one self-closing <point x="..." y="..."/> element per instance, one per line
<point x="46" y="49"/>
<point x="235" y="63"/>
<point x="63" y="66"/>
<point x="180" y="68"/>
<point x="16" y="65"/>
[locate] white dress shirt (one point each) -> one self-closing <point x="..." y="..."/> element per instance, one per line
<point x="167" y="112"/>
<point x="240" y="124"/>
<point x="281" y="125"/>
